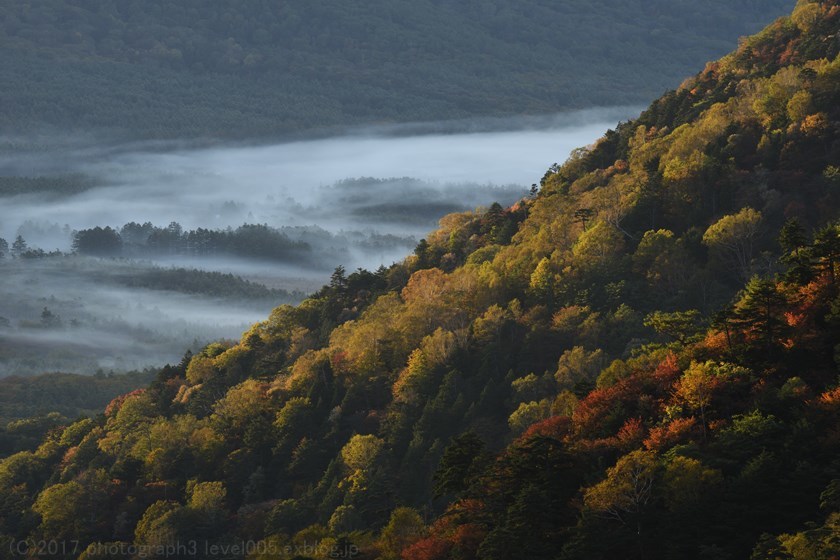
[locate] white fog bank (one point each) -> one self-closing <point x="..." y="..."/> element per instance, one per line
<point x="300" y="183"/>
<point x="360" y="199"/>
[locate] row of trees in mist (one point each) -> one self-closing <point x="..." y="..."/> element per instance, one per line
<point x="19" y="248"/>
<point x="249" y="240"/>
<point x="253" y="241"/>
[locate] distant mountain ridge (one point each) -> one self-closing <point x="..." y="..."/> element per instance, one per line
<point x="191" y="68"/>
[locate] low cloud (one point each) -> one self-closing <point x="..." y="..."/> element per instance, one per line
<point x="360" y="199"/>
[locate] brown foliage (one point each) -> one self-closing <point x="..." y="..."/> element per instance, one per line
<point x="557" y="427"/>
<point x="430" y="548"/>
<point x="676" y="431"/>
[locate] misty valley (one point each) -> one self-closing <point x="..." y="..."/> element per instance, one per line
<point x="123" y="257"/>
<point x="416" y="280"/>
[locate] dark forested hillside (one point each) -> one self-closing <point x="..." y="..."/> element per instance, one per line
<point x="32" y="406"/>
<point x="191" y="68"/>
<point x="639" y="361"/>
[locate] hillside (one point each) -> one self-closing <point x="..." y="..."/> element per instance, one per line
<point x="165" y="69"/>
<point x="639" y="361"/>
<point x="33" y="406"/>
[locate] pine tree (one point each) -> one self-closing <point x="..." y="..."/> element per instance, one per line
<point x="795" y="255"/>
<point x="19" y="247"/>
<point x="827" y="250"/>
<point x="761" y="312"/>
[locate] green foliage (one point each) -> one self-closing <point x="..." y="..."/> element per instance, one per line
<point x="760" y="313"/>
<point x="68" y="394"/>
<point x="462" y="461"/>
<point x="794" y="243"/>
<point x="153" y="528"/>
<point x="74" y="510"/>
<point x="403" y="529"/>
<point x="680" y="325"/>
<point x="686" y="480"/>
<point x="207" y="496"/>
<point x="345" y="519"/>
<point x="578" y="369"/>
<point x="529" y="413"/>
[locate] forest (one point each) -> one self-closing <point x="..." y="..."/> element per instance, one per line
<point x="161" y="69"/>
<point x="638" y="361"/>
<point x="33" y="406"/>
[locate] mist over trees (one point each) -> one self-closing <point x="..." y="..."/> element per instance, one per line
<point x="98" y="241"/>
<point x="74" y="313"/>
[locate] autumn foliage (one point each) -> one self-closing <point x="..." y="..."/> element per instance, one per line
<point x="638" y="361"/>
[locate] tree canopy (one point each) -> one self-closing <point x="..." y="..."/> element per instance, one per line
<point x="559" y="392"/>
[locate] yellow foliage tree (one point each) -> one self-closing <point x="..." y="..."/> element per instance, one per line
<point x="733" y="238"/>
<point x="360" y="455"/>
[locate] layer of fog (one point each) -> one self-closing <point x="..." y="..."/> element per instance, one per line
<point x="359" y="182"/>
<point x="71" y="314"/>
<point x="361" y="199"/>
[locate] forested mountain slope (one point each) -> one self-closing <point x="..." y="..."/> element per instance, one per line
<point x="158" y="68"/>
<point x="641" y="361"/>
